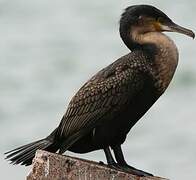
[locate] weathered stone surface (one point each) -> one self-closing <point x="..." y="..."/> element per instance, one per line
<point x="50" y="166"/>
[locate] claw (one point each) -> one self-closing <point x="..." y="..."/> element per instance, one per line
<point x="129" y="169"/>
<point x="101" y="162"/>
<point x="135" y="171"/>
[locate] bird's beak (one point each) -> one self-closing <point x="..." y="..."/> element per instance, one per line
<point x="172" y="27"/>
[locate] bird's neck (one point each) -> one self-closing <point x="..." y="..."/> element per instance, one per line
<point x="163" y="52"/>
<point x="165" y="57"/>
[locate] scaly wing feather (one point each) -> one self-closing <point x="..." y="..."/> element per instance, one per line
<point x="100" y="99"/>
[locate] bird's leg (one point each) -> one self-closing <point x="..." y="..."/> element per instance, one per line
<point x="109" y="157"/>
<point x="124" y="166"/>
<point x="110" y="160"/>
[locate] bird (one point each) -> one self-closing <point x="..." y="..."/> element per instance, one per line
<point x="109" y="104"/>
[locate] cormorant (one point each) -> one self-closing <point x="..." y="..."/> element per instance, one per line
<point x="107" y="106"/>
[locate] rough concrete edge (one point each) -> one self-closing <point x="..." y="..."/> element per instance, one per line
<point x="41" y="155"/>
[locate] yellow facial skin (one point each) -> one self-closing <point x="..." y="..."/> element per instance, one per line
<point x="157" y="25"/>
<point x="150" y="24"/>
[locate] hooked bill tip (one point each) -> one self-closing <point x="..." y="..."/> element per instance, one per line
<point x="193" y="36"/>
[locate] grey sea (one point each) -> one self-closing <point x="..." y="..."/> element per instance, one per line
<point x="48" y="49"/>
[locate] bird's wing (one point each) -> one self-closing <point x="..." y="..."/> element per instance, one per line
<point x="101" y="98"/>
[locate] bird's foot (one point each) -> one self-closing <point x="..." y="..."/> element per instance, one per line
<point x="115" y="166"/>
<point x="135" y="171"/>
<point x="129" y="169"/>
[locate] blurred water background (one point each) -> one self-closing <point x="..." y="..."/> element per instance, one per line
<point x="48" y="49"/>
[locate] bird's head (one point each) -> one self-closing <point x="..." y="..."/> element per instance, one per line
<point x="150" y="19"/>
<point x="145" y="18"/>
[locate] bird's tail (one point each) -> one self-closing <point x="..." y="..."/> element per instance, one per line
<point x="24" y="155"/>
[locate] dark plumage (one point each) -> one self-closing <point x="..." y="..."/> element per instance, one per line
<point x="105" y="108"/>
